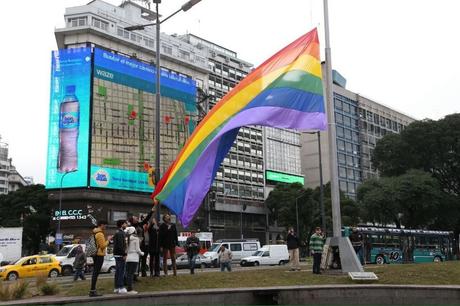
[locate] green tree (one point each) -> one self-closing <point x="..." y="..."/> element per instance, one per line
<point x="412" y="199"/>
<point x="281" y="203"/>
<point x="30" y="204"/>
<point x="431" y="146"/>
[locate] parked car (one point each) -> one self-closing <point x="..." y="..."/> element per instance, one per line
<point x="276" y="254"/>
<point x="240" y="248"/>
<point x="31" y="266"/>
<point x="108" y="266"/>
<point x="182" y="262"/>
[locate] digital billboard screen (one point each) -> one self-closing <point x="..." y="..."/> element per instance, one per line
<point x="122" y="127"/>
<point x="68" y="137"/>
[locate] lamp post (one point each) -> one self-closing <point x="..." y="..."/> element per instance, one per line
<point x="321" y="187"/>
<point x="58" y="231"/>
<point x="188" y="5"/>
<point x="297" y="210"/>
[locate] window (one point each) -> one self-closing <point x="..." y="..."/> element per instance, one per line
<point x="45" y="260"/>
<point x="340" y="131"/>
<point x="250" y="246"/>
<point x="78" y="21"/>
<point x="342" y="172"/>
<point x="346" y="107"/>
<point x="100" y="24"/>
<point x="235" y="247"/>
<point x="341" y="158"/>
<point x="341" y="145"/>
<point x="167" y="49"/>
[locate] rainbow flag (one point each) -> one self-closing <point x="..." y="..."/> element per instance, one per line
<point x="286" y="91"/>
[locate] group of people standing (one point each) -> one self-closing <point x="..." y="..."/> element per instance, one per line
<point x="316" y="244"/>
<point x="132" y="242"/>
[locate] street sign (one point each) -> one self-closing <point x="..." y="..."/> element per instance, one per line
<point x="58" y="238"/>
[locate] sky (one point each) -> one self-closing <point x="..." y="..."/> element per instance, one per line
<point x="404" y="54"/>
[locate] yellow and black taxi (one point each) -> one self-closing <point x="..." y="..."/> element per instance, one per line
<point x="31" y="266"/>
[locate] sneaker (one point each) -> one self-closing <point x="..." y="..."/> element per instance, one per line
<point x="122" y="291"/>
<point x="93" y="293"/>
<point x="132" y="292"/>
<point x="115" y="290"/>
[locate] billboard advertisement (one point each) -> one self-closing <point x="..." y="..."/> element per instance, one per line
<point x="68" y="137"/>
<point x="123" y="127"/>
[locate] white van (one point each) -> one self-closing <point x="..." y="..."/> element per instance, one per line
<point x="66" y="257"/>
<point x="274" y="254"/>
<point x="239" y="247"/>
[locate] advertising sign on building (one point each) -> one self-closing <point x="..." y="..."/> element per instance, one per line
<point x="106" y="138"/>
<point x="122" y="149"/>
<point x="68" y="138"/>
<point x="10" y="243"/>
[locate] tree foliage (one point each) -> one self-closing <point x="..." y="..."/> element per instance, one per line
<point x="31" y="204"/>
<point x="282" y="201"/>
<point x="431" y="146"/>
<point x="412" y="199"/>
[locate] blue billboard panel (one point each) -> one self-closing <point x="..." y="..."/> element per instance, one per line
<point x="68" y="136"/>
<point x="123" y="127"/>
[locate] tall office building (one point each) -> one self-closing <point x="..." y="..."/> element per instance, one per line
<point x="237" y="207"/>
<point x="360" y="123"/>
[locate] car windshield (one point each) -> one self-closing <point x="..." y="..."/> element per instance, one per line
<point x="258" y="253"/>
<point x="214" y="247"/>
<point x="17" y="261"/>
<point x="64" y="251"/>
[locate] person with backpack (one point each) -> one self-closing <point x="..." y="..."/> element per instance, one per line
<point x="96" y="248"/>
<point x="119" y="253"/>
<point x="79" y="264"/>
<point x="132" y="260"/>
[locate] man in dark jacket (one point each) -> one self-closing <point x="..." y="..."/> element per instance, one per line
<point x="119" y="252"/>
<point x="168" y="243"/>
<point x="293" y="247"/>
<point x="154" y="248"/>
<point x="192" y="246"/>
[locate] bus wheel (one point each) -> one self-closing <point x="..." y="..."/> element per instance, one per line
<point x="437" y="259"/>
<point x="380" y="260"/>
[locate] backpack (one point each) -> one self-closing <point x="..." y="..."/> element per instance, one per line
<point x="91" y="247"/>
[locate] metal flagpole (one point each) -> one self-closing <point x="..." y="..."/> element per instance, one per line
<point x="348" y="259"/>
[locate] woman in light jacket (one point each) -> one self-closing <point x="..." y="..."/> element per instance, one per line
<point x="132" y="259"/>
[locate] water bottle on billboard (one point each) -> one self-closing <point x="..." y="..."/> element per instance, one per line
<point x="69" y="118"/>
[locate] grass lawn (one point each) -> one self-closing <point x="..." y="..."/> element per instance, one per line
<point x="414" y="274"/>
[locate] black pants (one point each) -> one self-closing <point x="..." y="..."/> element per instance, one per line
<point x="143" y="264"/>
<point x="317" y="263"/>
<point x="98" y="261"/>
<point x="154" y="263"/>
<point x="130" y="269"/>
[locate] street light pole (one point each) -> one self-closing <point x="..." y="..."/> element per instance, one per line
<point x="157" y="107"/>
<point x="188" y="5"/>
<point x="58" y="231"/>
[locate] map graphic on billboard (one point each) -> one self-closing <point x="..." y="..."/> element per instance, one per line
<point x="122" y="129"/>
<point x="68" y="137"/>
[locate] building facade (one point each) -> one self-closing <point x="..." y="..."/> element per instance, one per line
<point x="10" y="179"/>
<point x="360" y="122"/>
<point x="237" y="204"/>
<point x="237" y="197"/>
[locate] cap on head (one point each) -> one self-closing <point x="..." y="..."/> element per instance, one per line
<point x="130" y="230"/>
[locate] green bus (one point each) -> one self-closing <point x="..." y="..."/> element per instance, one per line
<point x="393" y="245"/>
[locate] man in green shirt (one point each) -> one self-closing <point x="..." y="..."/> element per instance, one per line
<point x="316" y="248"/>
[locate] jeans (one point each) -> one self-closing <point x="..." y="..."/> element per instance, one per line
<point x="317" y="263"/>
<point x="130" y="269"/>
<point x="98" y="261"/>
<point x="224" y="265"/>
<point x="119" y="272"/>
<point x="191" y="261"/>
<point x="79" y="274"/>
<point x="154" y="263"/>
